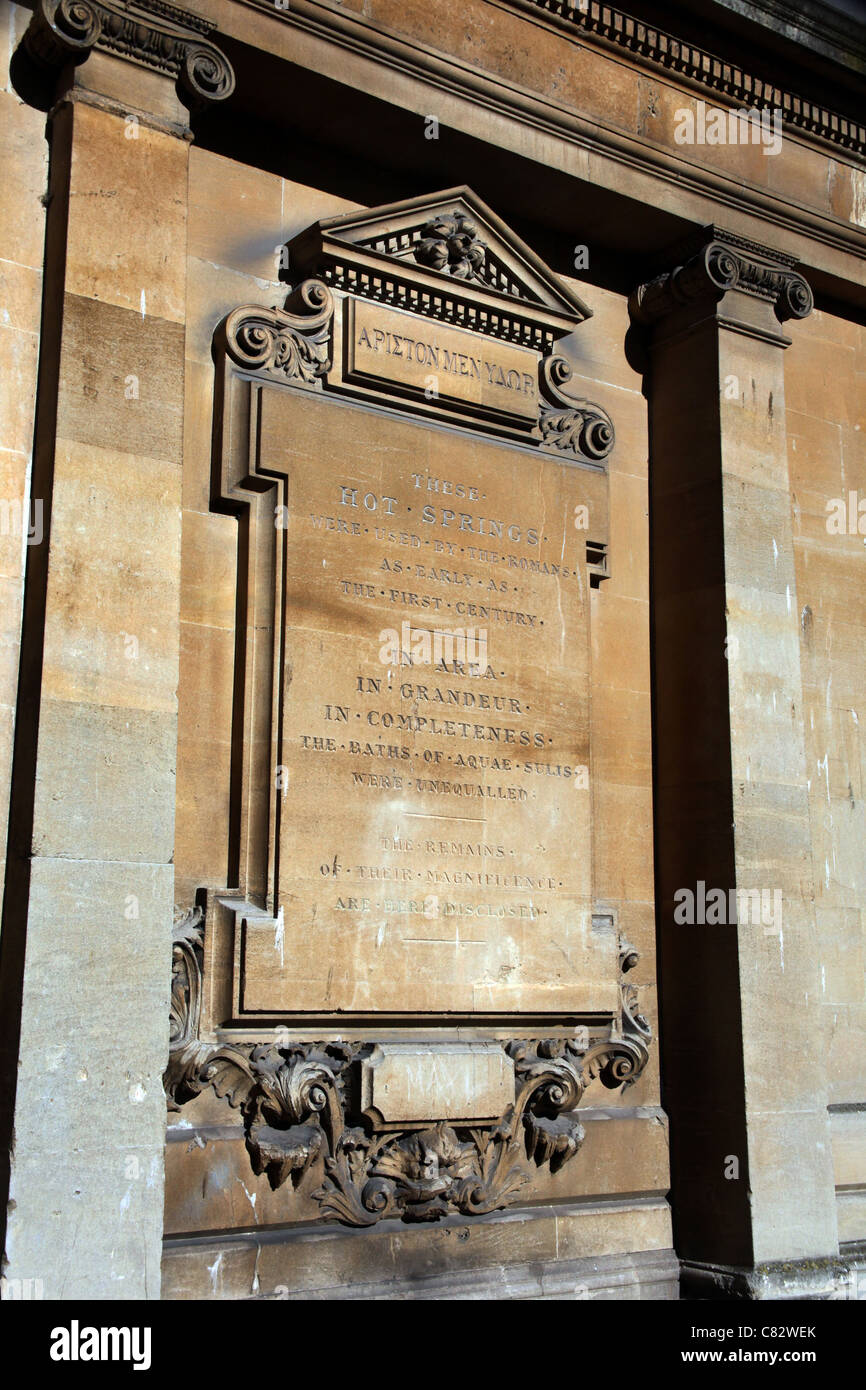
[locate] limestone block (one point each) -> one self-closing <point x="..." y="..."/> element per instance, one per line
<point x="113" y="577"/>
<point x="90" y="1110"/>
<point x="127" y="215"/>
<point x="24" y="155"/>
<point x="106" y="779"/>
<point x="851" y="1213"/>
<point x="848" y="1136"/>
<point x="131" y="395"/>
<point x="785" y="1152"/>
<point x="328" y="1263"/>
<point x="235" y="214"/>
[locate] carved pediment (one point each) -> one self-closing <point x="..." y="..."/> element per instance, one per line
<point x="446" y="255"/>
<point x="363" y="284"/>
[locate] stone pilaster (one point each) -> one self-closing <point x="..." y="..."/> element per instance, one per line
<point x="88" y="905"/>
<point x="743" y="1066"/>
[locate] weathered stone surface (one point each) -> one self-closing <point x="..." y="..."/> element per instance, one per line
<point x="116" y="166"/>
<point x="454" y="1259"/>
<point x="825" y="409"/>
<point x="209" y="1185"/>
<point x="220" y="641"/>
<point x="24" y="160"/>
<point x="422" y="1081"/>
<point x="389" y="346"/>
<point x="90" y="1112"/>
<point x="436" y="717"/>
<point x="754" y="832"/>
<point x="95" y="903"/>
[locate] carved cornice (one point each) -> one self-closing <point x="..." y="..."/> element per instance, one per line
<point x="614" y="29"/>
<point x="152" y="33"/>
<point x="446" y="256"/>
<point x="295" y="345"/>
<point x="294" y="1098"/>
<point x="715" y="262"/>
<point x="515" y="322"/>
<point x="571" y="424"/>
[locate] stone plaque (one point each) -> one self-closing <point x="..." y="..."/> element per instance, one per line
<point x="432" y="822"/>
<point x="404" y="1083"/>
<point x="419" y="357"/>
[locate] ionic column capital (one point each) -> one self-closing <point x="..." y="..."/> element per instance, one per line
<point x="151" y="33"/>
<point x="714" y="262"/>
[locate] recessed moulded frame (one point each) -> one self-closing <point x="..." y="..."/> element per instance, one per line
<point x="423" y="1066"/>
<point x="276" y="433"/>
<point x="278" y="631"/>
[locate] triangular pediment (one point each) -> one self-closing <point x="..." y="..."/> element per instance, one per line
<point x="452" y="246"/>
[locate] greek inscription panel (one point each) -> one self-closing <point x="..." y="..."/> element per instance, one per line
<point x="399" y="350"/>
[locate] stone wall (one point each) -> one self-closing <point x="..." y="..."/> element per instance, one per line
<point x="724" y="619"/>
<point x="22" y="235"/>
<point x="239" y="217"/>
<point x="826" y="424"/>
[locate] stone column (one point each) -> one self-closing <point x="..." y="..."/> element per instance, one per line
<point x="87" y="920"/>
<point x="743" y="1062"/>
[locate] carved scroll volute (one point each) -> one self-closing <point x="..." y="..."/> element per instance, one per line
<point x="192" y="1064"/>
<point x="571" y="423"/>
<point x="724" y="262"/>
<point x="552" y="1088"/>
<point x="185" y="1009"/>
<point x="635" y="1024"/>
<point x="204" y="76"/>
<point x="291" y="344"/>
<point x="62" y="31"/>
<point x="152" y="34"/>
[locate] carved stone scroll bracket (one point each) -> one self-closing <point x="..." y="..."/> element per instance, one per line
<point x="634" y="1023"/>
<point x="290" y="344"/>
<point x="571" y="424"/>
<point x="297" y="1106"/>
<point x="715" y="262"/>
<point x="192" y="1064"/>
<point x="152" y="33"/>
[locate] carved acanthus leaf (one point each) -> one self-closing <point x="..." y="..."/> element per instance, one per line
<point x="293" y="1098"/>
<point x="347" y="1195"/>
<point x="187" y="1054"/>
